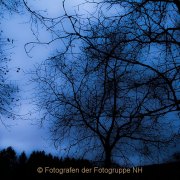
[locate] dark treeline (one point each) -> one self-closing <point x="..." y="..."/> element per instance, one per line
<point x="14" y="165"/>
<point x="18" y="166"/>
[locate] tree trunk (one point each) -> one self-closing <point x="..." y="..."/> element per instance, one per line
<point x="107" y="161"/>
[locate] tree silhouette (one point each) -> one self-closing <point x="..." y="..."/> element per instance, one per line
<point x="22" y="158"/>
<point x="8" y="90"/>
<point x="8" y="161"/>
<point x="110" y="105"/>
<point x="114" y="79"/>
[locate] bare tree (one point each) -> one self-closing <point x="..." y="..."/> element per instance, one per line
<point x="8" y="90"/>
<point x="114" y="80"/>
<point x="101" y="104"/>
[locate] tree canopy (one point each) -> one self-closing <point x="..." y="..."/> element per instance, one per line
<point x="115" y="79"/>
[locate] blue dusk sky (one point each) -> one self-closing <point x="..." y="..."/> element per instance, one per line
<point x="25" y="133"/>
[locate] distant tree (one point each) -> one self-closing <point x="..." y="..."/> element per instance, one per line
<point x="22" y="159"/>
<point x="37" y="158"/>
<point x="8" y="161"/>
